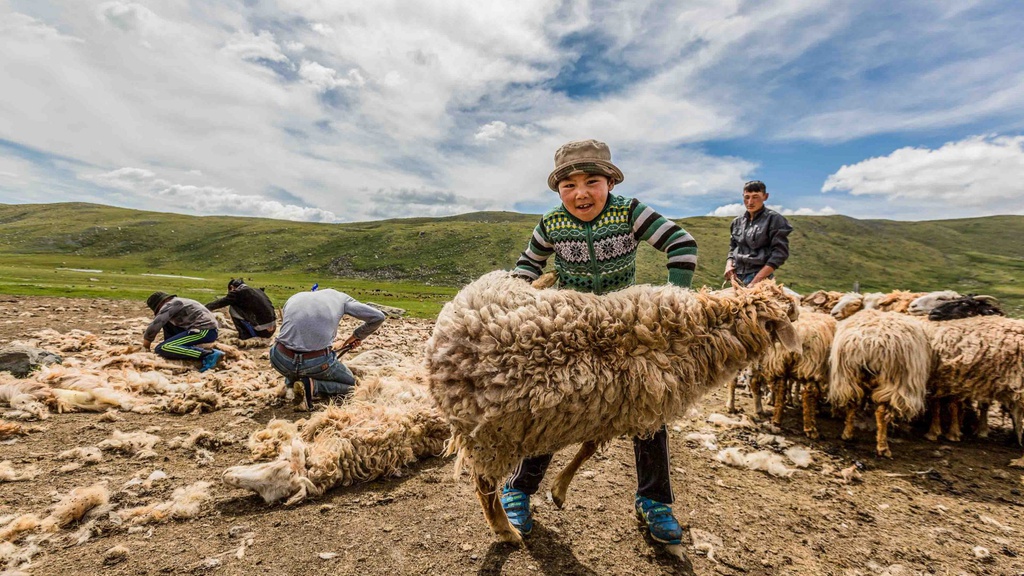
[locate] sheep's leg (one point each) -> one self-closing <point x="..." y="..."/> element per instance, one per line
<point x="851" y="415"/>
<point x="730" y="398"/>
<point x="983" y="419"/>
<point x="778" y="393"/>
<point x="882" y="418"/>
<point x="935" y="429"/>
<point x="755" y="390"/>
<point x="1017" y="415"/>
<point x="487" y="492"/>
<point x="561" y="484"/>
<point x="796" y="391"/>
<point x="954" y="434"/>
<point x="810" y="401"/>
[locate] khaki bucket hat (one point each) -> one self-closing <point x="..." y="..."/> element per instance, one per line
<point x="586" y="157"/>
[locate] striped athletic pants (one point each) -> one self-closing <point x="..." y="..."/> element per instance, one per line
<point x="180" y="344"/>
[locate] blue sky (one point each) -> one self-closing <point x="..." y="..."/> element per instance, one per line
<point x="344" y="111"/>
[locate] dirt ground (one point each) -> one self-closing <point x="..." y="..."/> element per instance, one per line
<point x="936" y="508"/>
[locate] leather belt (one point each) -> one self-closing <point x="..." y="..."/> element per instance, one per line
<point x="291" y="354"/>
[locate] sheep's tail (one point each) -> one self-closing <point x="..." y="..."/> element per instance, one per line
<point x="903" y="385"/>
<point x="456" y="445"/>
<point x="844" y="386"/>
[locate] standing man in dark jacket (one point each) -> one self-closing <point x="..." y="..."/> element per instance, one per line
<point x="185" y="323"/>
<point x="250" y="310"/>
<point x="759" y="239"/>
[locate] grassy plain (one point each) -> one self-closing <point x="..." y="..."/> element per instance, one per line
<point x="418" y="263"/>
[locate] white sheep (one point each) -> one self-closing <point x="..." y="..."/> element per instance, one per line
<point x="521" y="372"/>
<point x="895" y="301"/>
<point x="886" y="355"/>
<point x="809" y="367"/>
<point x="979" y="358"/>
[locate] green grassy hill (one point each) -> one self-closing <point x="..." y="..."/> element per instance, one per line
<point x="419" y="262"/>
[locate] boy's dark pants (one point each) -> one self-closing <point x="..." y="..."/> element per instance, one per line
<point x="652" y="469"/>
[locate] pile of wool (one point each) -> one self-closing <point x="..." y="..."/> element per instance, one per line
<point x="185" y="502"/>
<point x="138" y="444"/>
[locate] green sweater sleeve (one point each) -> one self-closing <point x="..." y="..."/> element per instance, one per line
<point x="668" y="237"/>
<point x="531" y="262"/>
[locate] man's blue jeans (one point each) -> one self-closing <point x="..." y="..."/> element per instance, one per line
<point x="328" y="376"/>
<point x="746" y="278"/>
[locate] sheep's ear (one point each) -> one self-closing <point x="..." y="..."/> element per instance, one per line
<point x="785" y="332"/>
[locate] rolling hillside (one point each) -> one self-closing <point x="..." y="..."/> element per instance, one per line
<point x="984" y="255"/>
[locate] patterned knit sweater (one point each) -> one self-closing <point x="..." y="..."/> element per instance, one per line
<point x="600" y="256"/>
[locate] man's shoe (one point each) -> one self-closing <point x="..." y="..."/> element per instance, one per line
<point x="517" y="507"/>
<point x="211" y="360"/>
<point x="658" y="519"/>
<point x="307" y="393"/>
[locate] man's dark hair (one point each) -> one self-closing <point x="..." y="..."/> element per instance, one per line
<point x="235" y="283"/>
<point x="755" y="186"/>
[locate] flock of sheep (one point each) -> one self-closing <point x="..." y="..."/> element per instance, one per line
<point x="513" y="370"/>
<point x="905" y="352"/>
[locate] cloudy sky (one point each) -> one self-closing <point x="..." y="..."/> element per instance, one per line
<point x="346" y="111"/>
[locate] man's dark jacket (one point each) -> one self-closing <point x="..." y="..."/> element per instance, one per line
<point x="250" y="302"/>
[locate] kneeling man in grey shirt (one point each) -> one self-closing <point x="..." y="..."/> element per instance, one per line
<point x="302" y="351"/>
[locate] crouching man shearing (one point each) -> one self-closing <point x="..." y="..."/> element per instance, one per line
<point x="302" y="352"/>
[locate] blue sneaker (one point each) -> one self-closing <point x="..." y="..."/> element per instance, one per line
<point x="517" y="507"/>
<point x="211" y="360"/>
<point x="658" y="519"/>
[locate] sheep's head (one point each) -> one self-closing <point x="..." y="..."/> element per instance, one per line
<point x="922" y="305"/>
<point x="848" y="305"/>
<point x="275" y="480"/>
<point x="772" y="307"/>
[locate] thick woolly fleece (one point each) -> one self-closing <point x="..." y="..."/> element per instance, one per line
<point x="979" y="358"/>
<point x="884" y="354"/>
<point x="521" y="372"/>
<point x="816" y="332"/>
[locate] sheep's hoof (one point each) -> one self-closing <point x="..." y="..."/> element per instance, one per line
<point x="884" y="453"/>
<point x="952" y="437"/>
<point x="812" y="434"/>
<point x="931" y="436"/>
<point x="983" y="433"/>
<point x="847" y="436"/>
<point x="1017" y="463"/>
<point x="675" y="550"/>
<point x="557" y="499"/>
<point x="509" y="536"/>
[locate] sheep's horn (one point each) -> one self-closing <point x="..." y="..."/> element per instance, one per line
<point x="987" y="299"/>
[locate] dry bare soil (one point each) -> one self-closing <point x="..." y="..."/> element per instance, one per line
<point x="936" y="508"/>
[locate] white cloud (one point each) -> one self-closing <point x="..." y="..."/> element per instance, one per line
<point x="249" y="46"/>
<point x="826" y="211"/>
<point x="497" y="130"/>
<point x="978" y="175"/>
<point x="205" y="199"/>
<point x="321" y="29"/>
<point x="731" y="210"/>
<point x="324" y="78"/>
<point x="736" y="209"/>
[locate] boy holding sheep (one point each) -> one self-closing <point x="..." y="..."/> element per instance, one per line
<point x="594" y="236"/>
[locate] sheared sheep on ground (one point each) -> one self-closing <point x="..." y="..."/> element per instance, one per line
<point x="522" y="372"/>
<point x="884" y="355"/>
<point x="385" y="425"/>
